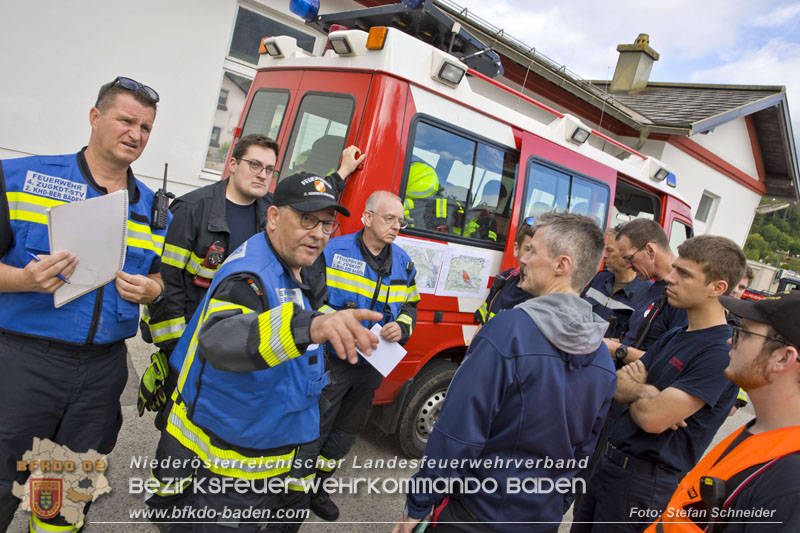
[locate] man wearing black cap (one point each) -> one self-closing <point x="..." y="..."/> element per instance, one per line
<point x="253" y="367"/>
<point x="750" y="478"/>
<point x="363" y="270"/>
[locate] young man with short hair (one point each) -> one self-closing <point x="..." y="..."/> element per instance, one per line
<point x="754" y="471"/>
<point x="676" y="393"/>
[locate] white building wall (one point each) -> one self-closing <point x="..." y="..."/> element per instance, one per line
<point x="733" y="212"/>
<point x="731" y="142"/>
<point x="55" y="55"/>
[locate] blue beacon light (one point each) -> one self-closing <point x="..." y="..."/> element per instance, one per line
<point x="672" y="181"/>
<point x="305" y="9"/>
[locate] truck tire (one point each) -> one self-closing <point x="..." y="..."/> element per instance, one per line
<point x="422" y="406"/>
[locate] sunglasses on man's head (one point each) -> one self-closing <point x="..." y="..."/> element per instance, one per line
<point x="130" y="85"/>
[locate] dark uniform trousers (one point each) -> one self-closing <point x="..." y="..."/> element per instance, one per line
<point x="639" y="488"/>
<point x="51" y="390"/>
<point x="344" y="409"/>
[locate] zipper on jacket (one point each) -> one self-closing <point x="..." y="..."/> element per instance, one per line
<point x="98" y="308"/>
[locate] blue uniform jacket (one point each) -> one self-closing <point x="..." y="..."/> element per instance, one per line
<point x="516" y="403"/>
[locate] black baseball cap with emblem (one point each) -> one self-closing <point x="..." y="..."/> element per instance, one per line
<point x="781" y="311"/>
<point x="307" y="193"/>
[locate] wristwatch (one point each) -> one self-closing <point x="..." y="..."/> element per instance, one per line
<point x="621" y="353"/>
<point x="159" y="298"/>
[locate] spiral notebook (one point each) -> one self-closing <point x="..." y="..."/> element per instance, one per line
<point x="95" y="231"/>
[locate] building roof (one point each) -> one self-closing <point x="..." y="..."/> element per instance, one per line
<point x="695" y="107"/>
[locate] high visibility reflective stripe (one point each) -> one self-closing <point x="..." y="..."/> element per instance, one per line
<point x="172" y="488"/>
<point x="365" y="287"/>
<point x="140" y="236"/>
<point x="405" y="319"/>
<point x="606" y="301"/>
<point x="28" y="207"/>
<point x="441" y="208"/>
<point x="741" y="396"/>
<point x="38" y="525"/>
<point x="301" y="484"/>
<point x="326" y="309"/>
<point x="175" y="256"/>
<point x="224" y="462"/>
<point x="492" y="235"/>
<point x="168" y="329"/>
<point x="213" y="306"/>
<point x="325" y="464"/>
<point x="413" y="294"/>
<point x="276" y="343"/>
<point x="145" y="315"/>
<point x="195" y="266"/>
<point x="482" y="312"/>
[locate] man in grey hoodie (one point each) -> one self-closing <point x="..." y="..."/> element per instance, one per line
<point x="524" y="410"/>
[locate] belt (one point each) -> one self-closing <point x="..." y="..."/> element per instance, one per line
<point x="631" y="463"/>
<point x="57" y="347"/>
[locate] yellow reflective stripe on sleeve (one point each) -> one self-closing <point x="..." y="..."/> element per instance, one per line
<point x="195" y="266"/>
<point x="405" y="319"/>
<point x="325" y="464"/>
<point x="176" y="486"/>
<point x="145" y="315"/>
<point x="326" y="309"/>
<point x="441" y="208"/>
<point x="167" y="329"/>
<point x="482" y="312"/>
<point x="140" y="236"/>
<point x="215" y="306"/>
<point x="413" y="294"/>
<point x="221" y="461"/>
<point x="493" y="235"/>
<point x="301" y="484"/>
<point x="363" y="286"/>
<point x="37" y="525"/>
<point x="175" y="256"/>
<point x="29" y="207"/>
<point x="276" y="343"/>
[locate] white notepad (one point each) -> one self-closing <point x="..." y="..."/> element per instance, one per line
<point x="386" y="356"/>
<point x="95" y="231"/>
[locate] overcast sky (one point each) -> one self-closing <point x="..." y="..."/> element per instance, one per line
<point x="752" y="42"/>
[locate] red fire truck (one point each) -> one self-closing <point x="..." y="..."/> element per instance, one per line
<point x="410" y="88"/>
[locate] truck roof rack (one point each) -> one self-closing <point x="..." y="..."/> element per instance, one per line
<point x="427" y="23"/>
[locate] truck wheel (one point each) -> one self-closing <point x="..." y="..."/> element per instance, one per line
<point x="422" y="407"/>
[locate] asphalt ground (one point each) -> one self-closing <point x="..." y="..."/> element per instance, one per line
<point x="365" y="510"/>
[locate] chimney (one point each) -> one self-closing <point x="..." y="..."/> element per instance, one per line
<point x="634" y="65"/>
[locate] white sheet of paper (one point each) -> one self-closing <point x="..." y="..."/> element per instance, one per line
<point x="95" y="231"/>
<point x="386" y="356"/>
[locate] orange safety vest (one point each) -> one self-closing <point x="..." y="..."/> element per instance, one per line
<point x="760" y="448"/>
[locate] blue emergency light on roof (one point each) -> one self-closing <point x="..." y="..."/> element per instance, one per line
<point x="672" y="181"/>
<point x="305" y="9"/>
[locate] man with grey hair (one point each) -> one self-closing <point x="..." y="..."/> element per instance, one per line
<point x="508" y="421"/>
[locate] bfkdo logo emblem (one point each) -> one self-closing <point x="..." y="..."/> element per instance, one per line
<point x="320" y="186"/>
<point x="46" y="497"/>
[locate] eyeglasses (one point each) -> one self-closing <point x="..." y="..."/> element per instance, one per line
<point x="129" y="85"/>
<point x="309" y="222"/>
<point x="738" y="330"/>
<point x="257" y="167"/>
<point x="390" y="220"/>
<point x="629" y="258"/>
